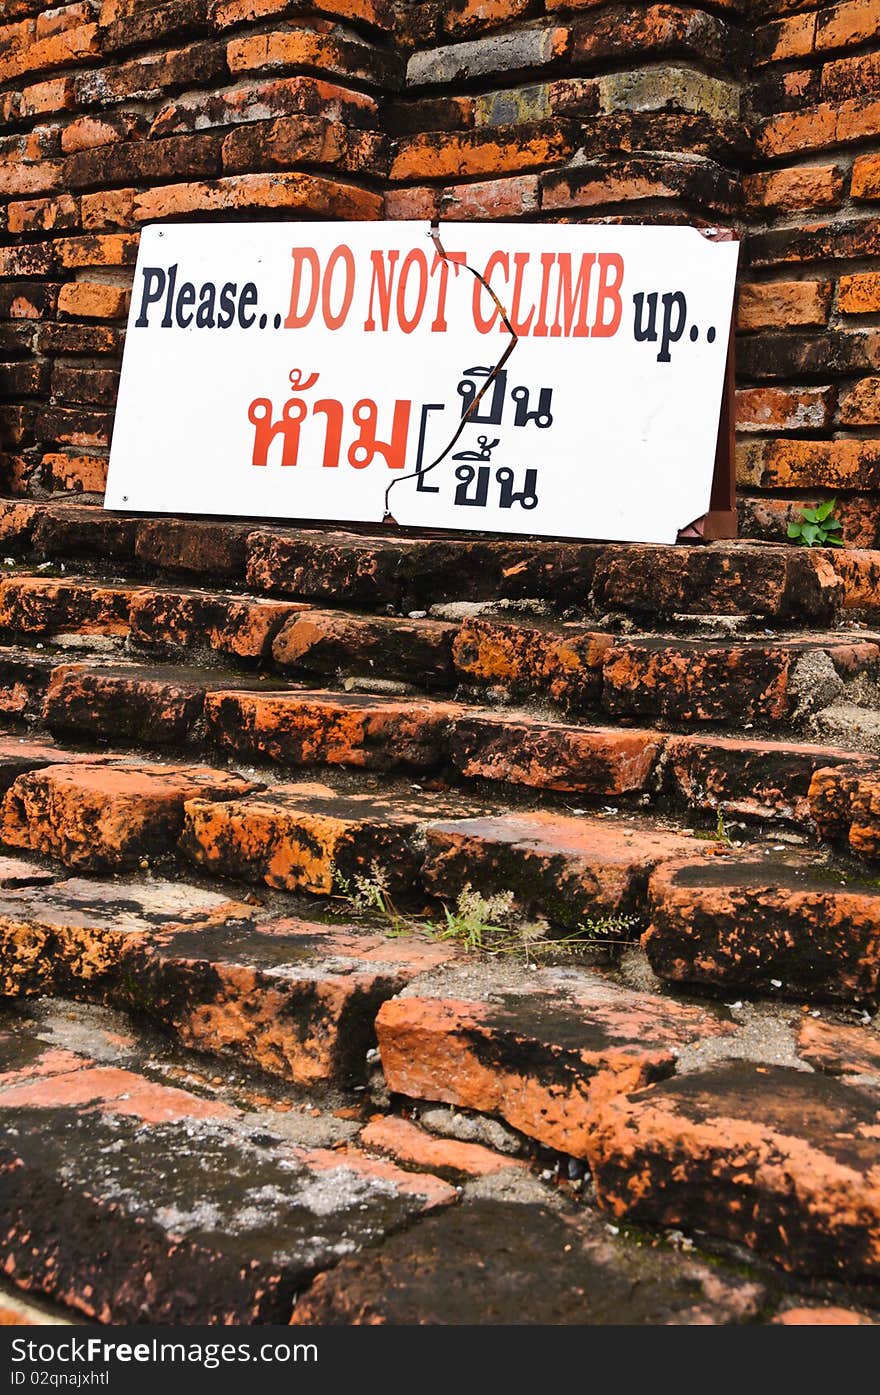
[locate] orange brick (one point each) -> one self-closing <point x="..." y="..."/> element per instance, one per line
<point x="89" y="132"/>
<point x="97" y="249"/>
<point x="783" y="304"/>
<point x="804" y="186"/>
<point x="433" y="156"/>
<point x="492" y="198"/>
<point x="56" y="21"/>
<point x="859" y="294"/>
<point x="85" y="300"/>
<point x="17" y="178"/>
<point x="850" y="77"/>
<point x="785" y="39"/>
<point x="810" y="464"/>
<point x="59" y="51"/>
<point x="844" y="26"/>
<point x="43" y="215"/>
<point x="80" y="474"/>
<point x="831" y="123"/>
<point x="471" y="15"/>
<point x="111" y="209"/>
<point x="866" y="177"/>
<point x="301" y="48"/>
<point x="768" y="409"/>
<point x="411" y="203"/>
<point x="57" y="94"/>
<point x="861" y="405"/>
<point x="325" y="198"/>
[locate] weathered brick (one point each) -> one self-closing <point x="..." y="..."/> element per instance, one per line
<point x="470" y="16"/>
<point x="803" y="186"/>
<point x="796" y="1148"/>
<point x="80" y="474"/>
<point x="830" y="123"/>
<point x="99" y="816"/>
<point x="89" y="132"/>
<point x="43" y="215"/>
<point x="36" y="260"/>
<point x="95" y="387"/>
<point x="769" y="409"/>
<point x="666" y="88"/>
<point x="328" y="198"/>
<point x="496" y="150"/>
<point x="861" y="405"/>
<point x="866" y="177"/>
<point x="290" y="142"/>
<point x="27" y="300"/>
<point x="846" y="25"/>
<point x="148" y="26"/>
<point x="524" y="50"/>
<point x="56" y="94"/>
<point x="78" y="339"/>
<point x="262" y="101"/>
<point x="135" y="162"/>
<point x="808" y="464"/>
<point x="108" y="249"/>
<point x="482" y="199"/>
<point x="658" y="29"/>
<point x="849" y="77"/>
<point x="785" y="355"/>
<point x="293" y="48"/>
<point x="61" y="50"/>
<point x="782" y="304"/>
<point x="813" y="242"/>
<point x="631" y="180"/>
<point x="85" y="300"/>
<point x="859" y="294"/>
<point x="149" y="77"/>
<point x="785" y="39"/>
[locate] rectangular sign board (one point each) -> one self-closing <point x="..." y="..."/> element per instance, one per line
<point x="319" y="370"/>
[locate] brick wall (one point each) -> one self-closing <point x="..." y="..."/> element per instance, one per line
<point x="130" y="111"/>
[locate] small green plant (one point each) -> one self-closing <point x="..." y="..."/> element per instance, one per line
<point x="490" y="925"/>
<point x="478" y="922"/>
<point x="818" y="527"/>
<point x="720" y="834"/>
<point x="484" y="924"/>
<point x="369" y="895"/>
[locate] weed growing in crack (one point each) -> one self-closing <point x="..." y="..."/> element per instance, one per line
<point x="818" y="527"/>
<point x="369" y="895"/>
<point x="480" y="924"/>
<point x="720" y="834"/>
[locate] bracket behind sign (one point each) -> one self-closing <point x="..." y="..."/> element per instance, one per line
<point x="721" y="520"/>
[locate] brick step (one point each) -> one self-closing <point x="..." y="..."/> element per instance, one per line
<point x="559" y="1058"/>
<point x="132" y="1200"/>
<point x="317" y="837"/>
<point x="136" y="703"/>
<point x="167" y="1195"/>
<point x="406" y="571"/>
<point x="295" y="998"/>
<point x="715" y="916"/>
<point x="157" y="619"/>
<point x="578" y="668"/>
<point x="113" y="814"/>
<point x="767" y="1156"/>
<point x="779" y="924"/>
<point x="250" y="720"/>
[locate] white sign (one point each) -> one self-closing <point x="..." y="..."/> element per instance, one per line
<point x="299" y="370"/>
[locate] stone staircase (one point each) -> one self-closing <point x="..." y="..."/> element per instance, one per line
<point x="246" y="1072"/>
